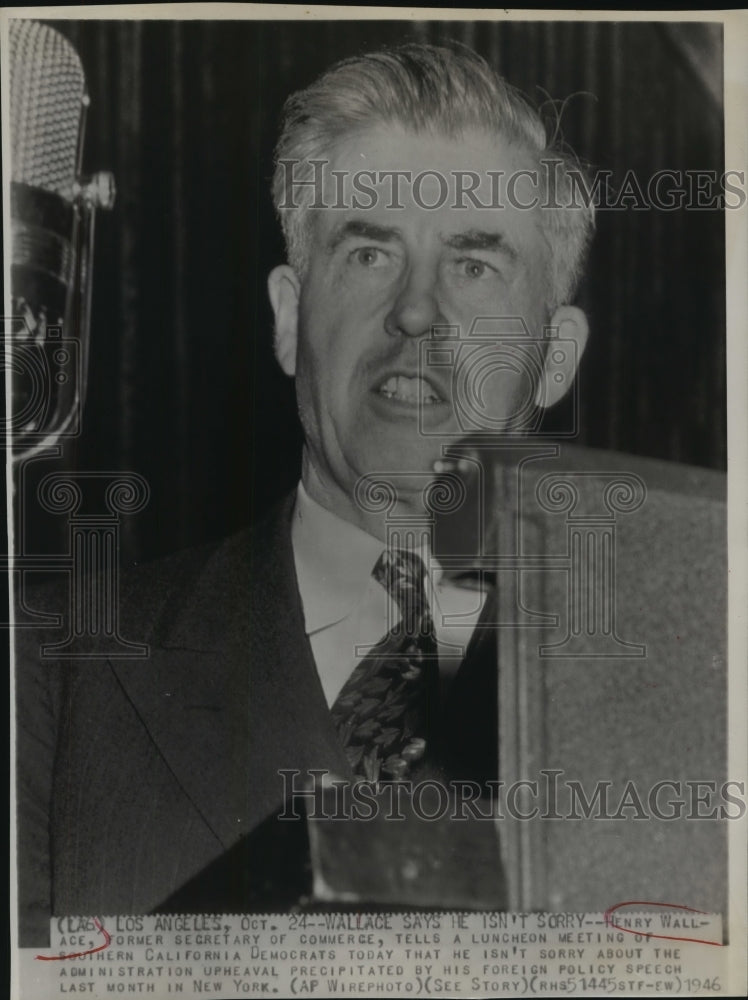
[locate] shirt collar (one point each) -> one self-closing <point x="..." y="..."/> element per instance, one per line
<point x="334" y="560"/>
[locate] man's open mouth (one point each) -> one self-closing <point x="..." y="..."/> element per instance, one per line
<point x="410" y="389"/>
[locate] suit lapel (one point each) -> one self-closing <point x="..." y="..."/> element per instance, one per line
<point x="230" y="694"/>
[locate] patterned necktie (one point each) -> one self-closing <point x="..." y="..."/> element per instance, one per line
<point x="387" y="707"/>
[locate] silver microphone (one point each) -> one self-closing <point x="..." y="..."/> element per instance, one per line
<point x="52" y="225"/>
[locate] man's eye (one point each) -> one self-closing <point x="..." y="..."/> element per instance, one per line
<point x="475" y="268"/>
<point x="370" y="257"/>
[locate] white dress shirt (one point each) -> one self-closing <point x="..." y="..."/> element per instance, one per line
<point x="346" y="611"/>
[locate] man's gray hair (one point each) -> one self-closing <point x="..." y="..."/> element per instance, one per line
<point x="426" y="88"/>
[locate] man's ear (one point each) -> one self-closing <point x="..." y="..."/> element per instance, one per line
<point x="563" y="355"/>
<point x="284" y="288"/>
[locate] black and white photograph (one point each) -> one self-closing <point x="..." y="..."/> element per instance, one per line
<point x="376" y="387"/>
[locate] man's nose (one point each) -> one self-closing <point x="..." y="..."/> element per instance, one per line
<point x="416" y="308"/>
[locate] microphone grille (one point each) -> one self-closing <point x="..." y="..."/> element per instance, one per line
<point x="47" y="89"/>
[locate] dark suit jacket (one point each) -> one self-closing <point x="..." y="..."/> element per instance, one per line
<point x="134" y="775"/>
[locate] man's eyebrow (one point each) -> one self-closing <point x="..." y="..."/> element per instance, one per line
<point x="366" y="230"/>
<point x="480" y="239"/>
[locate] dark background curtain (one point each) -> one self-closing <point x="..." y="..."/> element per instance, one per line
<point x="183" y="388"/>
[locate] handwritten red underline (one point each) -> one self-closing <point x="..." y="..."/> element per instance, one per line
<point x="660" y="937"/>
<point x="80" y="954"/>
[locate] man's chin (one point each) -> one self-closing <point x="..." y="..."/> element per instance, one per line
<point x="409" y="466"/>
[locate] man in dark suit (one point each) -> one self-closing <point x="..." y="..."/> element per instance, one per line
<point x="416" y="197"/>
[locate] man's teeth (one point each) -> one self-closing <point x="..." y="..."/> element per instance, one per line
<point x="410" y="390"/>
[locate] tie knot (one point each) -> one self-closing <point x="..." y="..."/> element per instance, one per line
<point x="403" y="575"/>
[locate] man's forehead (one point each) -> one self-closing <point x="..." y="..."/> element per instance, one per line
<point x="476" y="187"/>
